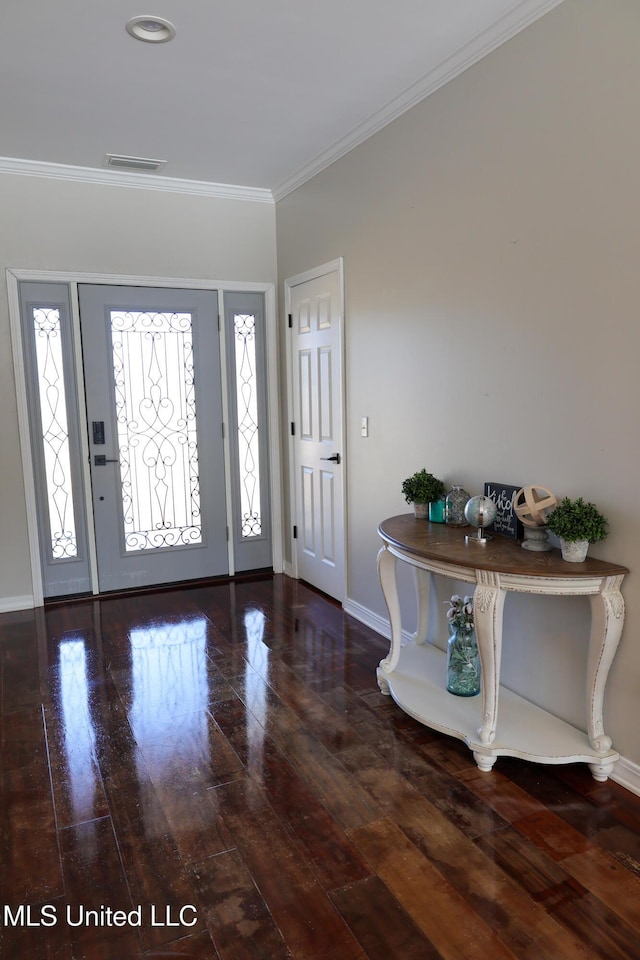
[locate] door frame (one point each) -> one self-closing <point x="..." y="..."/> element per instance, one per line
<point x="332" y="266"/>
<point x="73" y="278"/>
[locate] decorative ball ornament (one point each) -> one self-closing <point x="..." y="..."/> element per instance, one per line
<point x="532" y="505"/>
<point x="480" y="512"/>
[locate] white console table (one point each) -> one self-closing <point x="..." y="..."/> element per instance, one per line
<point x="415" y="674"/>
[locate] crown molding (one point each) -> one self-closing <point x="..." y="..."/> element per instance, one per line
<point x="517" y="19"/>
<point x="141" y="181"/>
<point x="512" y="23"/>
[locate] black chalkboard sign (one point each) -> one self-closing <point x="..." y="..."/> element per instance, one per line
<point x="506" y="523"/>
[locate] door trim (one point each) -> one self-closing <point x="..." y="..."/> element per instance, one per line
<point x="332" y="266"/>
<point x="15" y="275"/>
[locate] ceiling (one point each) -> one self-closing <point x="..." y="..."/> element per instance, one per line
<point x="248" y="94"/>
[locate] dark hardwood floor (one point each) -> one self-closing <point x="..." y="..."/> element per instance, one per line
<point x="213" y="773"/>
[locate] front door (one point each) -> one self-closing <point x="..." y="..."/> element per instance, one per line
<point x="315" y="305"/>
<point x="152" y="372"/>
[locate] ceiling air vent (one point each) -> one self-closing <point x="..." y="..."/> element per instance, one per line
<point x="132" y="163"/>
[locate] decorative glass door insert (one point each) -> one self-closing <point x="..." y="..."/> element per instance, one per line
<point x="248" y="435"/>
<point x="55" y="432"/>
<point x="244" y="327"/>
<point x="154" y="390"/>
<point x="155" y="406"/>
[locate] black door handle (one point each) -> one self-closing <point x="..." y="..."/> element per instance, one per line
<point x="100" y="460"/>
<point x="336" y="458"/>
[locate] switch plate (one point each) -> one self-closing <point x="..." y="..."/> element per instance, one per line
<point x="364" y="427"/>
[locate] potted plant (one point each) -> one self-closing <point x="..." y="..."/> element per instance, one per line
<point x="576" y="524"/>
<point x="421" y="489"/>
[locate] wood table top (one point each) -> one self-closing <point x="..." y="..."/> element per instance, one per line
<point x="447" y="544"/>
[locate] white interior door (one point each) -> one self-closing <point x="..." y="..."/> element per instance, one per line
<point x="315" y="308"/>
<point x="154" y="409"/>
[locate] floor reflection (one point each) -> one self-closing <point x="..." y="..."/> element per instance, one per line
<point x="170" y="691"/>
<point x="79" y="734"/>
<point x="256" y="676"/>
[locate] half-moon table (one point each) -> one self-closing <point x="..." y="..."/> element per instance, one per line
<point x="498" y="722"/>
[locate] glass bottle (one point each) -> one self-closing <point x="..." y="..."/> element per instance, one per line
<point x="455" y="502"/>
<point x="463" y="661"/>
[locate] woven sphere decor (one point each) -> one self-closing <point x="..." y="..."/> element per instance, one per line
<point x="533" y="504"/>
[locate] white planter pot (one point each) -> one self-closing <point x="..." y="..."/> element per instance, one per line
<point x="421" y="510"/>
<point x="575" y="551"/>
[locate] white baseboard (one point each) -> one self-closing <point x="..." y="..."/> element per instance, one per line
<point x="373" y="620"/>
<point x="11" y="604"/>
<point x="368" y="617"/>
<point x="625" y="772"/>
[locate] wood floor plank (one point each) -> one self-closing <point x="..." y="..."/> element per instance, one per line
<point x="451" y="795"/>
<point x="604" y="824"/>
<point x="237" y="917"/>
<point x="189" y="747"/>
<point x="332" y="856"/>
<point x="75" y="775"/>
<point x="23" y="739"/>
<point x="510" y="801"/>
<point x="154" y="869"/>
<point x="552" y="834"/>
<point x="544" y="878"/>
<point x="520" y="923"/>
<point x="29" y="856"/>
<point x="445" y="918"/>
<point x="564" y="897"/>
<point x="599" y="926"/>
<point x="346" y="802"/>
<point x="609" y="881"/>
<point x="197" y="947"/>
<point x="23" y="662"/>
<point x="382" y="926"/>
<point x="95" y="881"/>
<point x="309" y="923"/>
<point x="226" y="749"/>
<point x="19" y="941"/>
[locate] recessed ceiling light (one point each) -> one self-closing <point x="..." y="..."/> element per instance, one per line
<point x="151" y="29"/>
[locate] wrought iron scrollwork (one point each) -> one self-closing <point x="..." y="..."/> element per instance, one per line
<point x="156" y="426"/>
<point x="55" y="433"/>
<point x="247" y="413"/>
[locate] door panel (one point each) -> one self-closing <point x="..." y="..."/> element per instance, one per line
<point x="54" y="426"/>
<point x="152" y="378"/>
<point x="316" y="350"/>
<point x="248" y="436"/>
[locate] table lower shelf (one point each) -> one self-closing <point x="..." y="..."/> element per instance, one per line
<point x="524" y="730"/>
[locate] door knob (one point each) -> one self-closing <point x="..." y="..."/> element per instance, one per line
<point x="100" y="460"/>
<point x="335" y="458"/>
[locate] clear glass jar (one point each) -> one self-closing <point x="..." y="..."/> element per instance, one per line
<point x="455" y="502"/>
<point x="463" y="662"/>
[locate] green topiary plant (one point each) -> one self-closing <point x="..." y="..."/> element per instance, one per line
<point x="574" y="520"/>
<point x="422" y="487"/>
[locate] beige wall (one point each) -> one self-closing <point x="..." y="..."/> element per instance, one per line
<point x="65" y="226"/>
<point x="491" y="242"/>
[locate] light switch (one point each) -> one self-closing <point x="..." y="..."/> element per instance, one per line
<point x="364" y="427"/>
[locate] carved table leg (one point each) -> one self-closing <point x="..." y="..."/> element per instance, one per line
<point x="607" y="619"/>
<point x="488" y="605"/>
<point x="423" y="595"/>
<point x="387" y="574"/>
<point x="601" y="771"/>
<point x="484" y="762"/>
